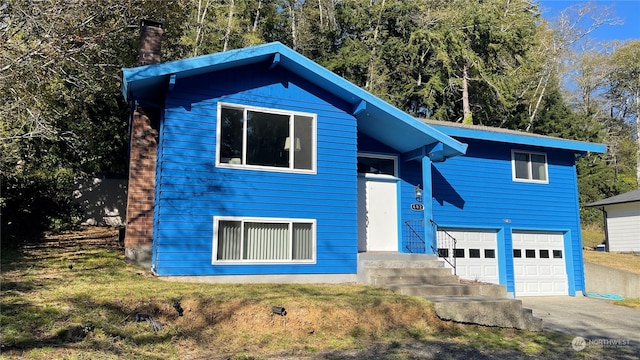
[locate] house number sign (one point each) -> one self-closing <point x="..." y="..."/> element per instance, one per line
<point x="417" y="207"/>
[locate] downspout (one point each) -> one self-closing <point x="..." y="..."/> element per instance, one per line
<point x="606" y="229"/>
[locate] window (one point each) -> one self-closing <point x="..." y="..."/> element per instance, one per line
<point x="442" y="252"/>
<point x="489" y="253"/>
<point x="528" y="166"/>
<point x="474" y="253"/>
<point x="458" y="253"/>
<point x="544" y="254"/>
<point x="264" y="240"/>
<point x="264" y="138"/>
<point x="517" y="253"/>
<point x="557" y="254"/>
<point x="530" y="253"/>
<point x="377" y="164"/>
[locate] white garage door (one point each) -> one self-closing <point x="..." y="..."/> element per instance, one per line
<point x="476" y="254"/>
<point x="539" y="264"/>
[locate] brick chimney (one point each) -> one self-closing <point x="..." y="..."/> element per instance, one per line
<point x="150" y="42"/>
<point x="143" y="148"/>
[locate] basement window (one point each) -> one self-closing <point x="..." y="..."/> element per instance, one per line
<point x="265" y="240"/>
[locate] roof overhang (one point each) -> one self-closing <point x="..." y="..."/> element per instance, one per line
<point x="628" y="197"/>
<point x="514" y="137"/>
<point x="376" y="118"/>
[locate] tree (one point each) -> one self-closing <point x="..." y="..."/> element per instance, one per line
<point x="624" y="90"/>
<point x="61" y="111"/>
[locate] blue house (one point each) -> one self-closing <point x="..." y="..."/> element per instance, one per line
<point x="269" y="167"/>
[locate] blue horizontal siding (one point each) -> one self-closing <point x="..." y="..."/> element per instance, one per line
<point x="192" y="190"/>
<point x="204" y="253"/>
<point x="272" y="269"/>
<point x="477" y="190"/>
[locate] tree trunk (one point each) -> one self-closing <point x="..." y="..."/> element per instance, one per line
<point x="320" y="11"/>
<point x="255" y="21"/>
<point x="292" y="18"/>
<point x="369" y="85"/>
<point x="227" y="34"/>
<point x="466" y="108"/>
<point x="638" y="135"/>
<point x="202" y="13"/>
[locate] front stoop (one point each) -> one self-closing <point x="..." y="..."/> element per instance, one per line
<point x="505" y="313"/>
<point x="426" y="276"/>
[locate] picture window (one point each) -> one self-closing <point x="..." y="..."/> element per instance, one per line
<point x="266" y="138"/>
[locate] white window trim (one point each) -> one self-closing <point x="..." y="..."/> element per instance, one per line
<point x="382" y="156"/>
<point x="290" y="221"/>
<point x="246" y="108"/>
<point x="513" y="166"/>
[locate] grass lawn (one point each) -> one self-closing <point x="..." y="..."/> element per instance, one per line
<point x="74" y="297"/>
<point x="592" y="235"/>
<point x="627" y="262"/>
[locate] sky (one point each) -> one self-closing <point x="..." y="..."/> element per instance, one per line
<point x="628" y="11"/>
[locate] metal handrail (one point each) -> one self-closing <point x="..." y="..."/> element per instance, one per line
<point x="446" y="244"/>
<point x="414" y="243"/>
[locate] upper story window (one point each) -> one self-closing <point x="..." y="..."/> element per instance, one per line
<point x="266" y="139"/>
<point x="529" y="166"/>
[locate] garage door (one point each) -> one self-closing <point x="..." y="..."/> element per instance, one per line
<point x="539" y="264"/>
<point x="475" y="254"/>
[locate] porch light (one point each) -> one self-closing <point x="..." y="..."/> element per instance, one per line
<point x="287" y="144"/>
<point x="278" y="310"/>
<point x="418" y="192"/>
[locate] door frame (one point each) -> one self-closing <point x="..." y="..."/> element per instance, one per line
<point x="363" y="179"/>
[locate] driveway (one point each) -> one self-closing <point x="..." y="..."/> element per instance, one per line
<point x="595" y="320"/>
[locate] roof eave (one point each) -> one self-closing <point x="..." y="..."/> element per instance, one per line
<point x="150" y="79"/>
<point x="522" y="139"/>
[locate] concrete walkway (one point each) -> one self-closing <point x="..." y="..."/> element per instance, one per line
<point x="592" y="319"/>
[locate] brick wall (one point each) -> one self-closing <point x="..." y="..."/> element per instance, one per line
<point x="143" y="147"/>
<point x="140" y="197"/>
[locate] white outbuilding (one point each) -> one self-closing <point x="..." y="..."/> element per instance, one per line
<point x="622" y="221"/>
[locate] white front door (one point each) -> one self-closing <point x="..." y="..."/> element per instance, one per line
<point x="378" y="213"/>
<point x="539" y="264"/>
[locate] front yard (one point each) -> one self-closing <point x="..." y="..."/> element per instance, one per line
<point x="73" y="297"/>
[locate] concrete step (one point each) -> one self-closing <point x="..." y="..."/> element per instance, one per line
<point x="506" y="313"/>
<point x="365" y="256"/>
<point x="451" y="289"/>
<point x="402" y="264"/>
<point x="394" y="271"/>
<point x="381" y="280"/>
<point x="426" y="290"/>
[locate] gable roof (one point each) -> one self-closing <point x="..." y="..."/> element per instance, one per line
<point x="375" y="117"/>
<point x="631" y="196"/>
<point x="513" y="136"/>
